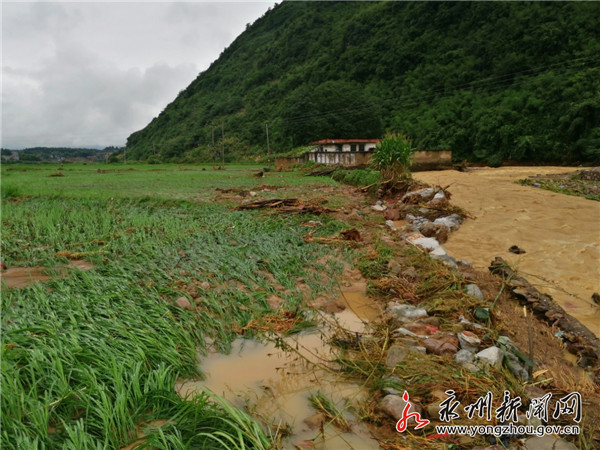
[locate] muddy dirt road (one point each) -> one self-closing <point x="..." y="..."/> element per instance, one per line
<point x="560" y="233"/>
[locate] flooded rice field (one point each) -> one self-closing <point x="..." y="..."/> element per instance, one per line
<point x="560" y="233"/>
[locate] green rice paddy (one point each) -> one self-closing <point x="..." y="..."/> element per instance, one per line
<point x="90" y="358"/>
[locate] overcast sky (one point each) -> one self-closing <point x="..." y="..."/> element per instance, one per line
<point x="78" y="74"/>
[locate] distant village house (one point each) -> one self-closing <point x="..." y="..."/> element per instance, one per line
<point x="358" y="152"/>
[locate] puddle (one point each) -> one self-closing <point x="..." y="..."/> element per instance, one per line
<point x="275" y="384"/>
<point x="360" y="309"/>
<point x="560" y="233"/>
<point x="18" y="277"/>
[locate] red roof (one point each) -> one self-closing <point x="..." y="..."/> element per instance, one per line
<point x="344" y="141"/>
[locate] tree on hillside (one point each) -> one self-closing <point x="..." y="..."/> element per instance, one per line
<point x="334" y="109"/>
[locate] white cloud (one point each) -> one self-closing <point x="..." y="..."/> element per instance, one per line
<point x="79" y="74"/>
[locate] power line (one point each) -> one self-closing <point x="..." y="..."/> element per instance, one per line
<point x="492" y="83"/>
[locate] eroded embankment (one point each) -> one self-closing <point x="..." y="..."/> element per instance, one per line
<point x="561" y="234"/>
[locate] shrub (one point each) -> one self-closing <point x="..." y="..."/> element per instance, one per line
<point x="392" y="158"/>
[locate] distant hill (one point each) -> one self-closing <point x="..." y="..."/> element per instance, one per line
<point x="56" y="154"/>
<point x="492" y="81"/>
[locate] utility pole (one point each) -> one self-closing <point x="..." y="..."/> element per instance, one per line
<point x="125" y="155"/>
<point x="222" y="146"/>
<point x="212" y="147"/>
<point x="268" y="148"/>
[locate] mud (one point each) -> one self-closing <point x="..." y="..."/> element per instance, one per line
<point x="560" y="233"/>
<point x="19" y="277"/>
<point x="277" y="378"/>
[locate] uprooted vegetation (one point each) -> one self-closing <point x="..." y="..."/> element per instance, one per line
<point x="582" y="183"/>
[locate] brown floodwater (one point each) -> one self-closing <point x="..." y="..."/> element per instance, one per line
<point x="275" y="382"/>
<point x="560" y="233"/>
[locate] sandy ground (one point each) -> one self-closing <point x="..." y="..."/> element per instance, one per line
<point x="560" y="233"/>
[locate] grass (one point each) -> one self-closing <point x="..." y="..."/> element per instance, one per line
<point x="358" y="178"/>
<point x="195" y="183"/>
<point x="89" y="358"/>
<point x="330" y="410"/>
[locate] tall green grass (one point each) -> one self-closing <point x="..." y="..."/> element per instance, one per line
<point x="88" y="357"/>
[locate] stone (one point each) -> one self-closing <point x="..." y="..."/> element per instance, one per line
<point x="442" y="346"/>
<point x="419" y="222"/>
<point x="451" y="222"/>
<point x="447" y="260"/>
<point x="468" y="341"/>
<point x="534" y="392"/>
<point x="315" y="422"/>
<point x="434" y="321"/>
<point x="435" y="230"/>
<point x="433" y="411"/>
<point x="396" y="354"/>
<point x="516" y="250"/>
<point x="440" y="251"/>
<point x="392" y="214"/>
<point x="420" y="329"/>
<point x="491" y="355"/>
<point x="378" y="208"/>
<point x="463" y="357"/>
<point x="548" y="443"/>
<point x="411" y="273"/>
<point x="474" y="291"/>
<point x="391" y="225"/>
<point x="439" y="195"/>
<point x="404" y="332"/>
<point x="464" y="321"/>
<point x="184" y="303"/>
<point x="418" y="196"/>
<point x="394" y="267"/>
<point x="205" y="285"/>
<point x="426" y="243"/>
<point x="389" y="383"/>
<point x="404" y="311"/>
<point x="393" y="405"/>
<point x="514" y="365"/>
<point x="408" y="342"/>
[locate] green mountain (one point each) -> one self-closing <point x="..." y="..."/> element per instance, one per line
<point x="492" y="81"/>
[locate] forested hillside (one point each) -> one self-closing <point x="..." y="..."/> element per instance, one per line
<point x="493" y="81"/>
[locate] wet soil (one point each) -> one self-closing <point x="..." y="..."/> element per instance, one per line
<point x="560" y="233"/>
<point x="276" y="378"/>
<point x="19" y="277"/>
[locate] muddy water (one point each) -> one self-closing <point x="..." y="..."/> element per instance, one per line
<point x="560" y="233"/>
<point x="18" y="277"/>
<point x="277" y="383"/>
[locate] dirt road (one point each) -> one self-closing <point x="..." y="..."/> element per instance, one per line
<point x="560" y="233"/>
